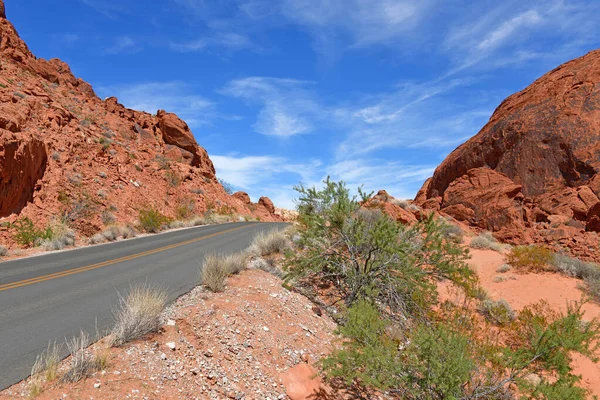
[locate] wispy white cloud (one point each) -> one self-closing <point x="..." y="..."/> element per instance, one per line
<point x="176" y="97"/>
<point x="366" y="22"/>
<point x="375" y="174"/>
<point x="230" y="41"/>
<point x="122" y="44"/>
<point x="107" y="8"/>
<point x="266" y="175"/>
<point x="506" y="34"/>
<point x="287" y="107"/>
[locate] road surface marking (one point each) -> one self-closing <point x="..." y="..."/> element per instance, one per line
<point x="73" y="271"/>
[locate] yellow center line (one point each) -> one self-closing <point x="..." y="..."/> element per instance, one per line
<point x="107" y="263"/>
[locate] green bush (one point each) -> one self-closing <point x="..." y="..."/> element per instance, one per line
<point x="447" y="359"/>
<point x="27" y="234"/>
<point x="365" y="254"/>
<point x="368" y="355"/>
<point x="151" y="219"/>
<point x="530" y="258"/>
<point x="498" y="312"/>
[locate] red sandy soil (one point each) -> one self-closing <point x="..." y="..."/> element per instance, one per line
<point x="520" y="290"/>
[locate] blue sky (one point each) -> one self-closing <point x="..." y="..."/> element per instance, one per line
<point x="374" y="92"/>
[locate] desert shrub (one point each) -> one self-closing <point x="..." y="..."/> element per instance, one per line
<point x="486" y="241"/>
<point x="177" y="224"/>
<point x="77" y="206"/>
<point x="365" y="254"/>
<point x="27" y="234"/>
<point x="108" y="217"/>
<point x="367" y="356"/>
<point x="61" y="236"/>
<point x="413" y="207"/>
<point x="266" y="243"/>
<point x="451" y="232"/>
<point x="446" y="360"/>
<point x="3" y="251"/>
<point x="172" y="178"/>
<point x="574" y="267"/>
<point x="503" y="268"/>
<point x="592" y="288"/>
<point x="402" y="203"/>
<point x="264" y="265"/>
<point x="96" y="239"/>
<point x="138" y="313"/>
<point x="82" y="362"/>
<point x="198" y="221"/>
<point x="185" y="208"/>
<point x="151" y="219"/>
<point x="227" y="186"/>
<point x="214" y="272"/>
<point x="498" y="312"/>
<point x="530" y="258"/>
<point x="236" y="263"/>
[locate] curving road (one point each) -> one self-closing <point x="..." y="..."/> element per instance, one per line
<point x="54" y="296"/>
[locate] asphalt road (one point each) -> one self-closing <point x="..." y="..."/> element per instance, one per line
<point x="55" y="296"/>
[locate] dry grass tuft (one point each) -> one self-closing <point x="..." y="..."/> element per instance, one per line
<point x="214" y="272"/>
<point x="44" y="369"/>
<point x="486" y="241"/>
<point x="3" y="251"/>
<point x="138" y="313"/>
<point x="83" y="362"/>
<point x="268" y="243"/>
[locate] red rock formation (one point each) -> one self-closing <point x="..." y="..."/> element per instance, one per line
<point x="60" y="143"/>
<point x="541" y="150"/>
<point x="243" y="197"/>
<point x="267" y="204"/>
<point x="386" y="203"/>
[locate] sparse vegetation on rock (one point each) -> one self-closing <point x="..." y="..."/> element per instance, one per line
<point x="151" y="219"/>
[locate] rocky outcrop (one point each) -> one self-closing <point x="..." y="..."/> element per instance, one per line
<point x="267" y="204"/>
<point x="389" y="205"/>
<point x="22" y="164"/>
<point x="534" y="165"/>
<point x="176" y="132"/>
<point x="243" y="197"/>
<point x="64" y="150"/>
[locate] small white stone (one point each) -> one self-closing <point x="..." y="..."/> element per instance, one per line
<point x="171" y="345"/>
<point x="171" y="322"/>
<point x="265" y="329"/>
<point x="97" y="385"/>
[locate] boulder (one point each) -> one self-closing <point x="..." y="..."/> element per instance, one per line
<point x="267" y="204"/>
<point x="243" y="197"/>
<point x="176" y="132"/>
